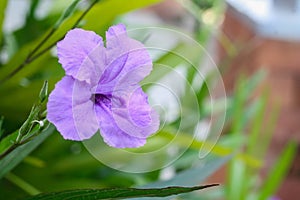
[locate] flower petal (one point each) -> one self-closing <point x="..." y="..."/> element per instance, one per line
<point x="92" y="67"/>
<point x="133" y="114"/>
<point x="112" y="134"/>
<point x="123" y="55"/>
<point x="75" y="47"/>
<point x="71" y="113"/>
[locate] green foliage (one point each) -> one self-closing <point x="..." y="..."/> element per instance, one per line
<point x="34" y="160"/>
<point x="243" y="181"/>
<point x="28" y="130"/>
<point x="278" y="171"/>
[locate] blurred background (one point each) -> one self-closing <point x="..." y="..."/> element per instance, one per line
<point x="255" y="45"/>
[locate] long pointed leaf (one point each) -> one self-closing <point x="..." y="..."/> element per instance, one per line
<point x="117" y="193"/>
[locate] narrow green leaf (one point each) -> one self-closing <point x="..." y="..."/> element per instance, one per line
<point x="243" y="92"/>
<point x="16" y="156"/>
<point x="278" y="171"/>
<point x="34" y="115"/>
<point x="256" y="127"/>
<point x="28" y="125"/>
<point x="269" y="130"/>
<point x="44" y="92"/>
<point x="67" y="13"/>
<point x="241" y="96"/>
<point x="117" y="193"/>
<point x="255" y="144"/>
<point x="8" y="141"/>
<point x="236" y="176"/>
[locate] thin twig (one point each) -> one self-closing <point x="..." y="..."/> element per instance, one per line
<point x="33" y="55"/>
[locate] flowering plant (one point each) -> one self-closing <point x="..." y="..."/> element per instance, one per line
<point x="100" y="89"/>
<point x="134" y="111"/>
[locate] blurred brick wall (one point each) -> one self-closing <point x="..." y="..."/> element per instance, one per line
<point x="282" y="60"/>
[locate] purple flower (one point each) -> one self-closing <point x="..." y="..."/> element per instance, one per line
<point x="101" y="89"/>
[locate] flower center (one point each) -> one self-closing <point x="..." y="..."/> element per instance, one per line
<point x="102" y="99"/>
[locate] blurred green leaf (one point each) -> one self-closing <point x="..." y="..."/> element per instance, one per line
<point x="254" y="146"/>
<point x="236" y="176"/>
<point x="108" y="10"/>
<point x="22" y="184"/>
<point x="244" y="90"/>
<point x="3" y="4"/>
<point x="1" y="130"/>
<point x="269" y="129"/>
<point x="184" y="140"/>
<point x="117" y="193"/>
<point x="67" y="13"/>
<point x="194" y="175"/>
<point x="182" y="53"/>
<point x="243" y="112"/>
<point x="16" y="156"/>
<point x="278" y="171"/>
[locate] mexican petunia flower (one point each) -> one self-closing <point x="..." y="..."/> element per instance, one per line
<point x="101" y="90"/>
